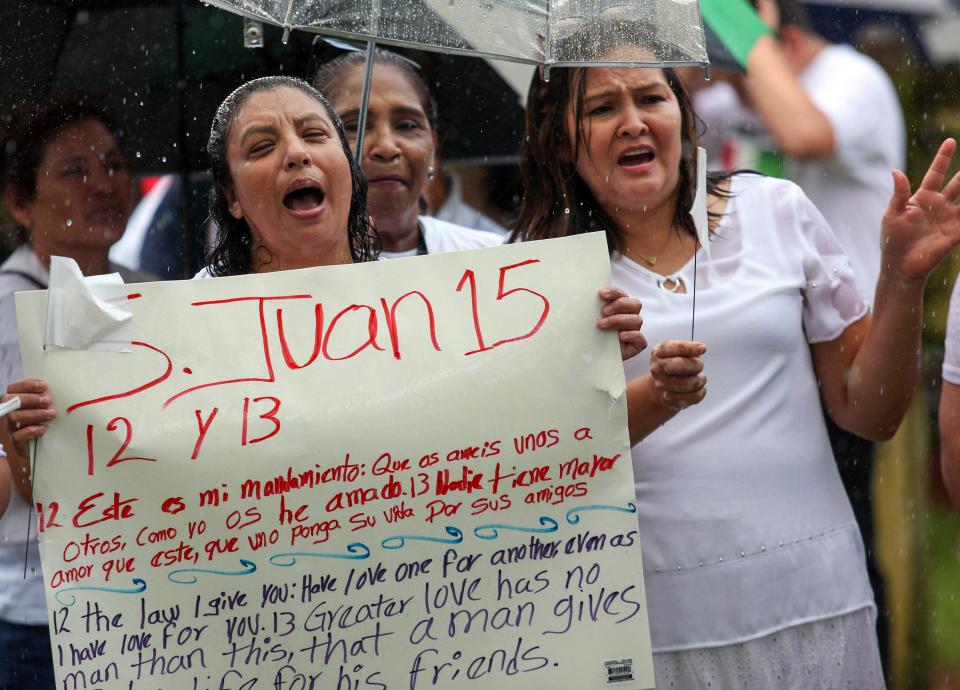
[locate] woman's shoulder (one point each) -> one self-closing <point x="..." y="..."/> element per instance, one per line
<point x="22" y="271"/>
<point x="756" y="183"/>
<point x="754" y="194"/>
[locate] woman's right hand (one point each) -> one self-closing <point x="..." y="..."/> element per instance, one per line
<point x="677" y="373"/>
<point x="36" y="411"/>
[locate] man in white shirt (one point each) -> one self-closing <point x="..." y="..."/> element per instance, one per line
<point x="836" y="116"/>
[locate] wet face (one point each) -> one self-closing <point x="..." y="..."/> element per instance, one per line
<point x="631" y="150"/>
<point x="291" y="179"/>
<point x="398" y="146"/>
<point x="83" y="192"/>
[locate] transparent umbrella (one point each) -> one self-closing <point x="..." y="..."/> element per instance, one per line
<point x="535" y="31"/>
<point x="551" y="33"/>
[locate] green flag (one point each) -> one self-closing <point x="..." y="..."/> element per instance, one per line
<point x="736" y="23"/>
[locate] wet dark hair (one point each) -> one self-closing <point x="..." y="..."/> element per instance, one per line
<point x="330" y="75"/>
<point x="27" y="134"/>
<point x="234" y="249"/>
<point x="556" y="201"/>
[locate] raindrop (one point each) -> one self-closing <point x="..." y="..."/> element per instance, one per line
<point x="566" y="210"/>
<point x="138" y="154"/>
<point x="163" y="159"/>
<point x="69" y="222"/>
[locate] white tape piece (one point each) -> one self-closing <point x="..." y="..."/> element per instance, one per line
<point x="86" y="313"/>
<point x="11" y="405"/>
<point x="699" y="209"/>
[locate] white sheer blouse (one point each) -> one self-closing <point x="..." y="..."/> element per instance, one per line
<point x="745" y="526"/>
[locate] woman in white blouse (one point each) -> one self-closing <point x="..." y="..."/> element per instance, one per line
<point x="753" y="563"/>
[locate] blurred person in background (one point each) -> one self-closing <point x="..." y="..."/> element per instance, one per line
<point x="444" y="197"/>
<point x="835" y="115"/>
<point x="66" y="183"/>
<point x="399" y="154"/>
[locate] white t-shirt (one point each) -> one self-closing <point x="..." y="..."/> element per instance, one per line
<point x="745" y="526"/>
<point x="22" y="599"/>
<point x="951" y="355"/>
<point x="852" y="187"/>
<point x="441" y="237"/>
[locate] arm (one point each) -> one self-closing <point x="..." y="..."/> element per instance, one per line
<point x="5" y="483"/>
<point x="796" y="124"/>
<point x="17" y="465"/>
<point x="950" y="440"/>
<point x="675" y="381"/>
<point x="868" y="374"/>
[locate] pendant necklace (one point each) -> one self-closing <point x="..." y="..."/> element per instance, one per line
<point x="651" y="260"/>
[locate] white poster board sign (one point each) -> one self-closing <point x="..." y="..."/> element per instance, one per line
<point x="399" y="475"/>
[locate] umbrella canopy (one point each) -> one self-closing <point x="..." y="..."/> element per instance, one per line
<point x="564" y="32"/>
<point x="163" y="66"/>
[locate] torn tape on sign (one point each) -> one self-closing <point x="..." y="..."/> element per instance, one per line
<point x="86" y="313"/>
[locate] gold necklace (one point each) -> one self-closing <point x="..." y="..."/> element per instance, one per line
<point x="651" y="260"/>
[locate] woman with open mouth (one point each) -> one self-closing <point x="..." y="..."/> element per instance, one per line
<point x="399" y="151"/>
<point x="753" y="563"/>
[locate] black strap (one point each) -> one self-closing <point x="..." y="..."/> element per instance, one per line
<point x="25" y="276"/>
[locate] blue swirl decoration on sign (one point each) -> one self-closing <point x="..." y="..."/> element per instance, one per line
<point x="399" y="541"/>
<point x="493" y="531"/>
<point x="355" y="552"/>
<point x="141" y="586"/>
<point x="249" y="567"/>
<point x="573" y="515"/>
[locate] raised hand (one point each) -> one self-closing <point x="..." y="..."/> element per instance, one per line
<point x="919" y="230"/>
<point x="621" y="313"/>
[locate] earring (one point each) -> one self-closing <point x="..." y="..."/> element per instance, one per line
<point x="430" y="173"/>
